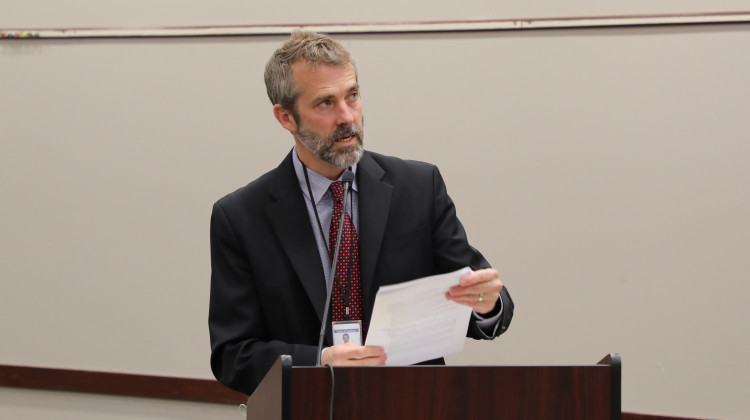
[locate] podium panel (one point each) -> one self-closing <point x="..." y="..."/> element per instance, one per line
<point x="588" y="392"/>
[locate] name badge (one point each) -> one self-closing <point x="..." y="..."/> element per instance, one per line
<point x="347" y="332"/>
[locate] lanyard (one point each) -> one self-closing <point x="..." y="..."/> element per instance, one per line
<point x="345" y="288"/>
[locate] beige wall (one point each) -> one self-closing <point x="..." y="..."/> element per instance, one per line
<point x="602" y="171"/>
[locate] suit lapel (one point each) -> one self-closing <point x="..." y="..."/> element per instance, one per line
<point x="290" y="221"/>
<point x="374" y="204"/>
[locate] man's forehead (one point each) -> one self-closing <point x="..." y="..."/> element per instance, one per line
<point x="319" y="77"/>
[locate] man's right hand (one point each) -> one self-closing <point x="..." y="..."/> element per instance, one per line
<point x="350" y="354"/>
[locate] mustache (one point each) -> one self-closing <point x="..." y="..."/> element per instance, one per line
<point x="346" y="131"/>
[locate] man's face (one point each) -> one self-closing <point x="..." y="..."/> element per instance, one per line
<point x="329" y="113"/>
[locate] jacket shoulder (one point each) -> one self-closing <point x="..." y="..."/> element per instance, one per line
<point x="403" y="167"/>
<point x="273" y="183"/>
<point x="259" y="189"/>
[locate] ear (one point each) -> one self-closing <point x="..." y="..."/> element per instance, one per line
<point x="285" y="118"/>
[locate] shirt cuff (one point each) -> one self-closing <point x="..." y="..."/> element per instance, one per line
<point x="488" y="326"/>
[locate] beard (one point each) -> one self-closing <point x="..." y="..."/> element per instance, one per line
<point x="326" y="150"/>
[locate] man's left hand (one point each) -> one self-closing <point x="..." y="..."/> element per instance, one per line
<point x="479" y="289"/>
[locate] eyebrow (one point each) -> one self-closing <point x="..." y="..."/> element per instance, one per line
<point x="319" y="99"/>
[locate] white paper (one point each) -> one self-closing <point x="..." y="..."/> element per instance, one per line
<point x="414" y="322"/>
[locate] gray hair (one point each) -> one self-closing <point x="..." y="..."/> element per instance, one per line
<point x="312" y="47"/>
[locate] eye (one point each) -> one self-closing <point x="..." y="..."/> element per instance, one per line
<point x="325" y="103"/>
<point x="353" y="97"/>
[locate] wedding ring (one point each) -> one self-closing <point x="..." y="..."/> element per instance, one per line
<point x="481" y="297"/>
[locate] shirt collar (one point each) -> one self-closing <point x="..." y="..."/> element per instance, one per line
<point x="318" y="183"/>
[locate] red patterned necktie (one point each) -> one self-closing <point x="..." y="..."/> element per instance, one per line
<point x="347" y="287"/>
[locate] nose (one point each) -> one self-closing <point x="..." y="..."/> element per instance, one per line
<point x="345" y="115"/>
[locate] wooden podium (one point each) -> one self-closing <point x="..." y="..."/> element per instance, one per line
<point x="588" y="392"/>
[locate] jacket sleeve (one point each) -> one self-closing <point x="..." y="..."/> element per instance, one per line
<point x="241" y="348"/>
<point x="453" y="251"/>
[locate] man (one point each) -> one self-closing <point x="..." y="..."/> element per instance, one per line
<point x="272" y="241"/>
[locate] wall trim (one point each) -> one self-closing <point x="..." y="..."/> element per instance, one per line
<point x="385" y="27"/>
<point x="125" y="384"/>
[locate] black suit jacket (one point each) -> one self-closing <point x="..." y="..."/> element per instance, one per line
<point x="267" y="283"/>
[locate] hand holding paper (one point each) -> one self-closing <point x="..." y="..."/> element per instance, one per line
<point x="414" y="321"/>
<point x="479" y="289"/>
<point x="350" y="354"/>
